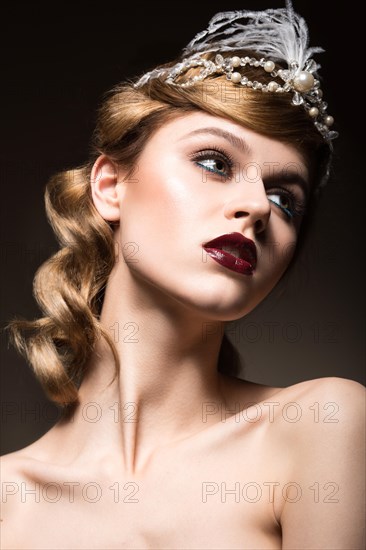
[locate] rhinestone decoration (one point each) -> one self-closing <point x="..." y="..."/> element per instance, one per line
<point x="301" y="83"/>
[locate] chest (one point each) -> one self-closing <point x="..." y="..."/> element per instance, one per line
<point x="216" y="494"/>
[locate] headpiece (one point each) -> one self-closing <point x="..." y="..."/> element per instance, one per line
<point x="273" y="36"/>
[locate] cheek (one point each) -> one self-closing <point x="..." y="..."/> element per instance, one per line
<point x="168" y="194"/>
<point x="157" y="187"/>
<point x="161" y="214"/>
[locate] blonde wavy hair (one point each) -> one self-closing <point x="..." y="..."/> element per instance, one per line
<point x="69" y="286"/>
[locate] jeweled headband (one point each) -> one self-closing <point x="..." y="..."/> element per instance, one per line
<point x="274" y="36"/>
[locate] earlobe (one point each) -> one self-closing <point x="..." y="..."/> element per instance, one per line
<point x="105" y="189"/>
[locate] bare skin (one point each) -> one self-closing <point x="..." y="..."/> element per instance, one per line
<point x="173" y="454"/>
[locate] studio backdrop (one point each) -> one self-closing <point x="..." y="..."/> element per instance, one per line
<point x="57" y="69"/>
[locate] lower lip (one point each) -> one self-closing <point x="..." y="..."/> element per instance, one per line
<point x="231" y="262"/>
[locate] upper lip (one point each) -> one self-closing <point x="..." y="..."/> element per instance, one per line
<point x="246" y="247"/>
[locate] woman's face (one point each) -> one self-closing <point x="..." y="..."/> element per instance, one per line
<point x="201" y="177"/>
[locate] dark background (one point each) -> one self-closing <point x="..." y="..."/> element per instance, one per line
<point x="59" y="60"/>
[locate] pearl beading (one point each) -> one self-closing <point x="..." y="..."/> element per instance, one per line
<point x="305" y="88"/>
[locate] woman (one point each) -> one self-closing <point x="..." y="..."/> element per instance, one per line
<point x="185" y="218"/>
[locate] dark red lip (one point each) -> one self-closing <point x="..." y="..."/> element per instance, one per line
<point x="247" y="260"/>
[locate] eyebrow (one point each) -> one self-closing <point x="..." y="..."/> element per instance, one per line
<point x="289" y="177"/>
<point x="234" y="140"/>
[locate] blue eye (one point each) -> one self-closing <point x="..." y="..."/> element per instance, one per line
<point x="213" y="165"/>
<point x="214" y="161"/>
<point x="287" y="202"/>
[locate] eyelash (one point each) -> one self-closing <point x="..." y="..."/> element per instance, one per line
<point x="215" y="153"/>
<point x="297" y="206"/>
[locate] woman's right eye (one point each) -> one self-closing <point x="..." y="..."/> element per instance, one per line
<point x="213" y="165"/>
<point x="214" y="162"/>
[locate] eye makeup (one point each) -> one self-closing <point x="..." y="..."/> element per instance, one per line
<point x="217" y="162"/>
<point x="214" y="160"/>
<point x="293" y="206"/>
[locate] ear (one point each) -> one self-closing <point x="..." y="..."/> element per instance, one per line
<point x="105" y="189"/>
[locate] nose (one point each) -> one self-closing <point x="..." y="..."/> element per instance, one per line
<point x="251" y="202"/>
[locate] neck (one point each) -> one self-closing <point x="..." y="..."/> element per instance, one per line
<point x="168" y="374"/>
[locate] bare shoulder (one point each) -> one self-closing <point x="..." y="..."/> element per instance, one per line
<point x="17" y="468"/>
<point x="315" y="438"/>
<point x="342" y="398"/>
<point x="344" y="393"/>
<point x="331" y="385"/>
<point x="14" y="476"/>
<point x="14" y="466"/>
<point x="313" y="415"/>
<point x="324" y="435"/>
<point x="320" y="412"/>
<point x="20" y="470"/>
<point x="321" y="420"/>
<point x="23" y="474"/>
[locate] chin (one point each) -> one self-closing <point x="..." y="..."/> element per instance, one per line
<point x="228" y="312"/>
<point x="219" y="305"/>
<point x="219" y="297"/>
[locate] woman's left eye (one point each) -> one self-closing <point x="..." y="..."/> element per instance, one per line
<point x="287" y="202"/>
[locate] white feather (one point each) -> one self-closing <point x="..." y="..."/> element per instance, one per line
<point x="278" y="34"/>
